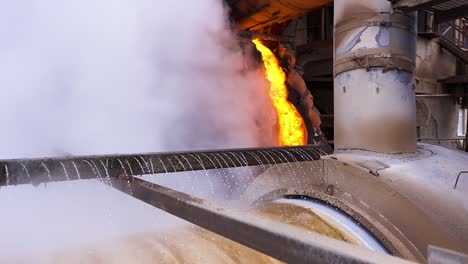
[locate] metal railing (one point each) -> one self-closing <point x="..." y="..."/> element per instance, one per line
<point x="460" y="29"/>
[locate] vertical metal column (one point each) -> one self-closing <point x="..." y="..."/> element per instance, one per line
<point x="466" y="129"/>
<point x="374" y="60"/>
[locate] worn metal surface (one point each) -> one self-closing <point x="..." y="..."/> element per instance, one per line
<point x="281" y="241"/>
<point x="36" y="171"/>
<point x="425" y="180"/>
<point x="361" y="195"/>
<point x="387" y="48"/>
<point x="437" y="255"/>
<point x="411" y="5"/>
<point x="413" y="195"/>
<point x="373" y="166"/>
<point x="373" y="93"/>
<point x="375" y="111"/>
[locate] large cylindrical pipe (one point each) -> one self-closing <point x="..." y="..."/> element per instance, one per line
<point x="374" y="60"/>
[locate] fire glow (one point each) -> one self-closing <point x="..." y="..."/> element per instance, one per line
<point x="292" y="130"/>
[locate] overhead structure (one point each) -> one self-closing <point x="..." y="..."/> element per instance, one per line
<point x="257" y="14"/>
<point x="444" y="10"/>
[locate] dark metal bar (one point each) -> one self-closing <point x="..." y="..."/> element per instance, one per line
<point x="466" y="136"/>
<point x="445" y="139"/>
<point x="458" y="178"/>
<point x="36" y="171"/>
<point x="435" y="95"/>
<point x="281" y="241"/>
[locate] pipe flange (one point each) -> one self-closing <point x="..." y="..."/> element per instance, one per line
<point x="352" y="52"/>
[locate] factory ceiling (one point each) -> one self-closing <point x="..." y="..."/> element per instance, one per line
<point x="257" y="14"/>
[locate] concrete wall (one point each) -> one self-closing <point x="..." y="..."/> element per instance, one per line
<point x="432" y="64"/>
<point x="437" y="117"/>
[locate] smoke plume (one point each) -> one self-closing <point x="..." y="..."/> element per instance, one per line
<point x="95" y="77"/>
<point x="114" y="76"/>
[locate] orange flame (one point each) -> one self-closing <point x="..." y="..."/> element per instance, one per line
<point x="292" y="131"/>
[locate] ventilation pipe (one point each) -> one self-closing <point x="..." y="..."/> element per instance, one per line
<point x="374" y="60"/>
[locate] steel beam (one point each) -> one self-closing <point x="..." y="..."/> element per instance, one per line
<point x="451" y="14"/>
<point x="281" y="241"/>
<point x="36" y="171"/>
<point x="412" y="5"/>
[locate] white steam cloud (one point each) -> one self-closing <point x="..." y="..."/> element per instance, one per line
<point x="121" y="76"/>
<point x="114" y="76"/>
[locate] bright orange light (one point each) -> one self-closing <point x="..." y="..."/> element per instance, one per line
<point x="292" y="131"/>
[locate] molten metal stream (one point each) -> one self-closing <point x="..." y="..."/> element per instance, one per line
<point x="292" y="131"/>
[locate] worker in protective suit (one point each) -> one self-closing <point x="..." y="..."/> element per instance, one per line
<point x="299" y="95"/>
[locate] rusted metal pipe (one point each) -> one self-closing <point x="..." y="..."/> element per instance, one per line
<point x="36" y="171"/>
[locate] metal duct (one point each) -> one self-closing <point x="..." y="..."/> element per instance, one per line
<point x="374" y="58"/>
